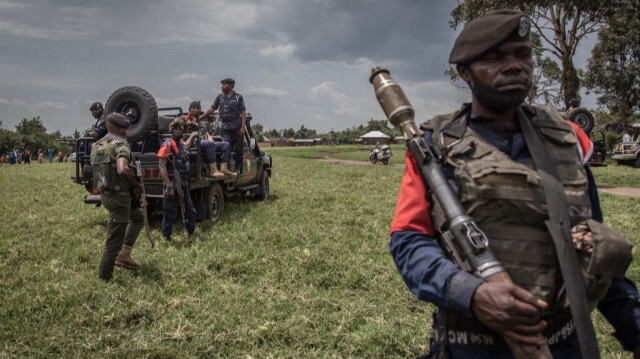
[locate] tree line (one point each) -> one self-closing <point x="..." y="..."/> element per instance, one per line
<point x="33" y="134"/>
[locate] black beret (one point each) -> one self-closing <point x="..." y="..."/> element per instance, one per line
<point x="228" y="81"/>
<point x="488" y="31"/>
<point x="95" y="106"/>
<point x="119" y="120"/>
<point x="194" y="104"/>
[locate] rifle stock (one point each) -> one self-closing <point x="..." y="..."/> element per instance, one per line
<point x="143" y="204"/>
<point x="468" y="243"/>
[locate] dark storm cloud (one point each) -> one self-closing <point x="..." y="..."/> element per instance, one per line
<point x="414" y="34"/>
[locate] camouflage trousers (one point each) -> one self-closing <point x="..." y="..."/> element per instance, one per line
<point x="124" y="226"/>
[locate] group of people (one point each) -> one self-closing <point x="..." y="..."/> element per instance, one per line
<point x="16" y="156"/>
<point x="520" y="174"/>
<point x="112" y="164"/>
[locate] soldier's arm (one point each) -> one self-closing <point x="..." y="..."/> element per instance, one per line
<point x="164" y="174"/>
<point x="427" y="271"/>
<point x="122" y="166"/>
<point x="207" y="112"/>
<point x="190" y="139"/>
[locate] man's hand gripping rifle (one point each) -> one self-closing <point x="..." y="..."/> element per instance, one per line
<point x="143" y="203"/>
<point x="464" y="241"/>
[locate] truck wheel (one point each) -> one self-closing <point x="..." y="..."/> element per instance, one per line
<point x="581" y="117"/>
<point x="215" y="204"/>
<point x="262" y="192"/>
<point x="139" y="106"/>
<point x="636" y="163"/>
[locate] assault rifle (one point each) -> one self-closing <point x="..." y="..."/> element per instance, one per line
<point x="143" y="204"/>
<point x="464" y="241"/>
<point x="179" y="192"/>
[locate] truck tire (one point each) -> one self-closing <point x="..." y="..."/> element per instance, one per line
<point x="139" y="106"/>
<point x="636" y="163"/>
<point x="262" y="192"/>
<point x="581" y="117"/>
<point x="215" y="202"/>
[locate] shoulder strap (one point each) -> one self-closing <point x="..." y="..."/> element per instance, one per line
<point x="559" y="228"/>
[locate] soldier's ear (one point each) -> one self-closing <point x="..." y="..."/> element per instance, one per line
<point x="465" y="73"/>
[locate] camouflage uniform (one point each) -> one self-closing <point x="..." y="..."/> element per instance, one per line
<point x="125" y="222"/>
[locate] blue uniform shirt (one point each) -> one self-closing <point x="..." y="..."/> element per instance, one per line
<point x="230" y="109"/>
<point x="101" y="126"/>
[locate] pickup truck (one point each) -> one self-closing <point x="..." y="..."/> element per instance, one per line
<point x="627" y="153"/>
<point x="149" y="128"/>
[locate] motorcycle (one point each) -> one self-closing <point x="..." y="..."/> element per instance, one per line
<point x="383" y="154"/>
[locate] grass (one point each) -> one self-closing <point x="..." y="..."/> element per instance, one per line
<point x="305" y="274"/>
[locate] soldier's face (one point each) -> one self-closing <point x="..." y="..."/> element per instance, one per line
<point x="500" y="80"/>
<point x="177" y="132"/>
<point x="96" y="113"/>
<point x="195" y="111"/>
<point x="226" y="87"/>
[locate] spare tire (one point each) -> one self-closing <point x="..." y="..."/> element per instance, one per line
<point x="139" y="107"/>
<point x="581" y="117"/>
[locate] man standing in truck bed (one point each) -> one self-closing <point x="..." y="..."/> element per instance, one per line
<point x="233" y="116"/>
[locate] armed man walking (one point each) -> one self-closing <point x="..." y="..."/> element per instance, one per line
<point x="113" y="171"/>
<point x="233" y="116"/>
<point x="173" y="158"/>
<point x="519" y="173"/>
<point x="208" y="146"/>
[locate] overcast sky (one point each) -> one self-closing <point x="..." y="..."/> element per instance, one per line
<point x="295" y="62"/>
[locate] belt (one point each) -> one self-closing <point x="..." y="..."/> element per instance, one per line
<point x="470" y="332"/>
<point x="230" y="119"/>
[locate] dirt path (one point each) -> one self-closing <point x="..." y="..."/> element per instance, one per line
<point x="621" y="191"/>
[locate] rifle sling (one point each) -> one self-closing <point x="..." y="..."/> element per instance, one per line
<point x="559" y="228"/>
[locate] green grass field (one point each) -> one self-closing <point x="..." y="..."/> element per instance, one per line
<point x="305" y="274"/>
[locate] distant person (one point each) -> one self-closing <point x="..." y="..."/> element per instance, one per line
<point x="173" y="154"/>
<point x="13" y="156"/>
<point x="3" y="158"/>
<point x="111" y="162"/>
<point x="208" y="146"/>
<point x="233" y="116"/>
<point x="628" y="136"/>
<point x="40" y="156"/>
<point x="50" y="152"/>
<point x="19" y="156"/>
<point x="27" y="155"/>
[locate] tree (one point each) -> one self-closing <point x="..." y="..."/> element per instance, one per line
<point x="613" y="72"/>
<point x="289" y="132"/>
<point x="378" y="125"/>
<point x="76" y="133"/>
<point x="561" y="25"/>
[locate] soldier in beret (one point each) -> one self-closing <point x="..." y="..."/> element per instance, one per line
<point x="514" y="168"/>
<point x="233" y="116"/>
<point x="112" y="166"/>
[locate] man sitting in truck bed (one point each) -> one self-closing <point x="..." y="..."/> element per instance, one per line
<point x="208" y="145"/>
